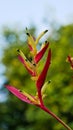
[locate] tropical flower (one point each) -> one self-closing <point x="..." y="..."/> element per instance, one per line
<point x="32" y="67"/>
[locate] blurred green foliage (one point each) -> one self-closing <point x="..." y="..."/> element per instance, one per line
<point x="17" y="115"/>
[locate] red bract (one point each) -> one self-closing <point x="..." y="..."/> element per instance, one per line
<point x="40" y="54"/>
<point x="33" y="73"/>
<point x="18" y="94"/>
<point x="43" y="74"/>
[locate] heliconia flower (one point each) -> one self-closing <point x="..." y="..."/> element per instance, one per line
<point x="30" y="47"/>
<point x="40" y="54"/>
<point x="31" y="44"/>
<point x="31" y="41"/>
<point x="22" y="95"/>
<point x="32" y="68"/>
<point x="70" y="60"/>
<point x="28" y="65"/>
<point x="42" y="76"/>
<point x="39" y="37"/>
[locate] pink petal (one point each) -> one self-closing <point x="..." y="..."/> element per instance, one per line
<point x="18" y="94"/>
<point x="40" y="54"/>
<point x="24" y="63"/>
<point x="43" y="74"/>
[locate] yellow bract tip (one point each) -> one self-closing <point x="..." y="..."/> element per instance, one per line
<point x="39" y="37"/>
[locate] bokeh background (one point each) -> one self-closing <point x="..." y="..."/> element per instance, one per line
<point x="57" y="17"/>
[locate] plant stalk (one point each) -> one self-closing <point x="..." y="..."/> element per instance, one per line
<point x="56" y="117"/>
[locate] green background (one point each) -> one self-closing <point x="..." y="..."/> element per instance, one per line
<point x="18" y="115"/>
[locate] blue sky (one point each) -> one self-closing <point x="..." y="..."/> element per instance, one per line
<point x="23" y="13"/>
<point x="26" y="12"/>
<point x="40" y="13"/>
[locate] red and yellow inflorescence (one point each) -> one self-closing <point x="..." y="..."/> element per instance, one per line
<point x="39" y="78"/>
<point x="32" y="68"/>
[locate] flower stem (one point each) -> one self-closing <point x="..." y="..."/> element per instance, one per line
<point x="56" y="117"/>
